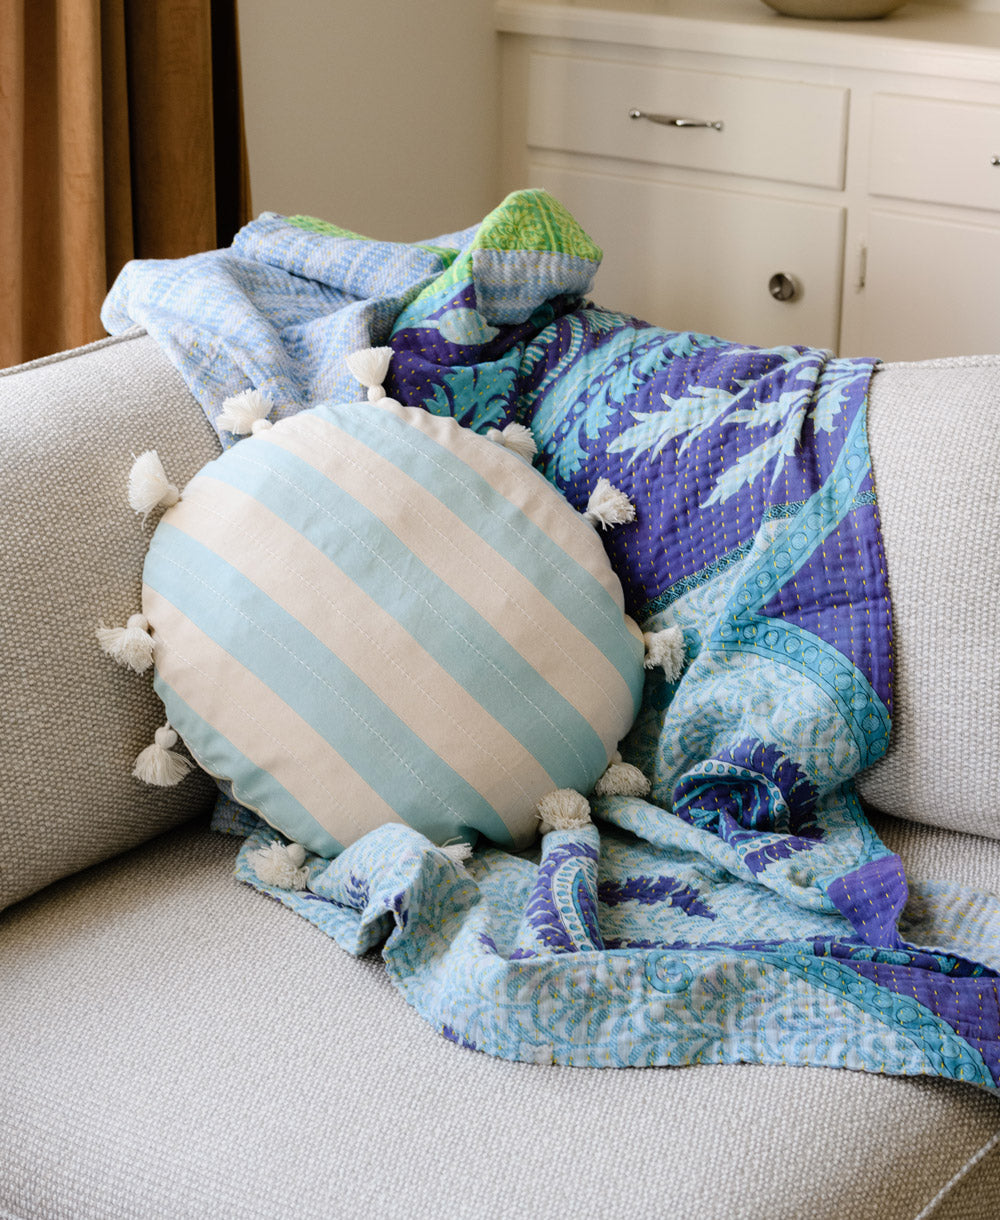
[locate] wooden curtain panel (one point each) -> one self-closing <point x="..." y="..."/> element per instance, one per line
<point x="121" y="136"/>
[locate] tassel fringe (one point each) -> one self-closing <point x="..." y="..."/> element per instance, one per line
<point x="564" y="809"/>
<point x="158" y="764"/>
<point x="517" y="438"/>
<point x="245" y="413"/>
<point x="148" y="485"/>
<point x="608" y="506"/>
<point x="622" y="779"/>
<point x="370" y="366"/>
<point x="459" y="852"/>
<point x="280" y="865"/>
<point x="131" y="645"/>
<point x="665" y="649"/>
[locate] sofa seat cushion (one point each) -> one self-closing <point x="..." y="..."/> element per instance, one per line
<point x="176" y="1046"/>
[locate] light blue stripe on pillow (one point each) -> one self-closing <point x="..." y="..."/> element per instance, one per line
<point x="468" y="647"/>
<point x="556" y="574"/>
<point x="254" y="788"/>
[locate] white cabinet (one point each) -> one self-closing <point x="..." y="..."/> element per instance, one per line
<point x="932" y="287"/>
<point x="935" y="151"/>
<point x="712" y="255"/>
<point x="852" y="169"/>
<point x="932" y="274"/>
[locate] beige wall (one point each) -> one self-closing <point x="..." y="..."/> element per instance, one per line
<point x="376" y="114"/>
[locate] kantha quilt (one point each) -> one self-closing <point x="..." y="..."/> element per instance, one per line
<point x="744" y="910"/>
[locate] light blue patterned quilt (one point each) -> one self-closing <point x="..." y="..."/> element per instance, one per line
<point x="746" y="910"/>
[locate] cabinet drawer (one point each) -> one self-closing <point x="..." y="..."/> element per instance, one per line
<point x="691" y="258"/>
<point x="782" y="130"/>
<point x="935" y="151"/>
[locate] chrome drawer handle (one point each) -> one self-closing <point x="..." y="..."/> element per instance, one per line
<point x="670" y="120"/>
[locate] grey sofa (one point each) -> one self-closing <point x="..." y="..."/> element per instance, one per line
<point x="165" y="1050"/>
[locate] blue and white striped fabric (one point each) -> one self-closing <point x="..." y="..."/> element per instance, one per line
<point x="369" y="614"/>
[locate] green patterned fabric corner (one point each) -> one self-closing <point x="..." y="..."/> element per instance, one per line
<point x="529" y="222"/>
<point x="533" y="220"/>
<point x="325" y="227"/>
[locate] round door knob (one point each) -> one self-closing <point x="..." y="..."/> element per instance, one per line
<point x="782" y="287"/>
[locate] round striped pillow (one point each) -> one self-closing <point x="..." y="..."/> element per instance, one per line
<point x="368" y="614"/>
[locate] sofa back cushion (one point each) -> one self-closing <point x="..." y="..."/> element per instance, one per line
<point x="934" y="432"/>
<point x="71" y="552"/>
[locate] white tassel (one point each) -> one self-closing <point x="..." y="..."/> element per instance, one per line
<point x="622" y="779"/>
<point x="608" y="506"/>
<point x="280" y="865"/>
<point x="158" y="764"/>
<point x="515" y="437"/>
<point x="242" y="413"/>
<point x="148" y="485"/>
<point x="564" y="809"/>
<point x="666" y="649"/>
<point x="459" y="852"/>
<point x="131" y="645"/>
<point x="370" y="366"/>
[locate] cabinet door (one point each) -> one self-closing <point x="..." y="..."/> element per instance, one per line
<point x="692" y="258"/>
<point x="932" y="288"/>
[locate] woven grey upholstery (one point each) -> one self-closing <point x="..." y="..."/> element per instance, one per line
<point x="934" y="430"/>
<point x="71" y="552"/>
<point x="176" y="1045"/>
